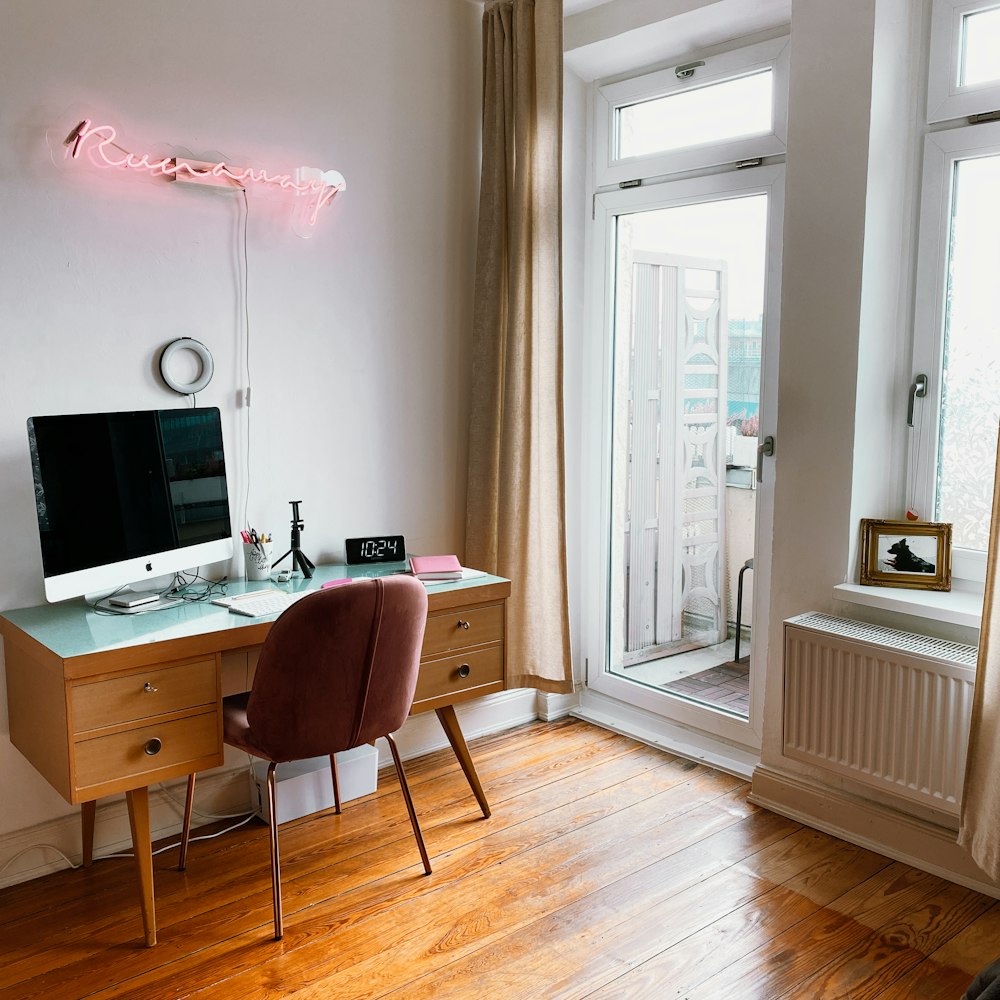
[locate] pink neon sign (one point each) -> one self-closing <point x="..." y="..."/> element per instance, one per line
<point x="98" y="142"/>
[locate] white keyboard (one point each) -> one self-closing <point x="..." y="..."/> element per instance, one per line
<point x="269" y="603"/>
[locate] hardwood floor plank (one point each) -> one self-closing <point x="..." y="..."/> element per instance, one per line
<point x="836" y="868"/>
<point x="608" y="870"/>
<point x="356" y="882"/>
<point x="867" y="969"/>
<point x="367" y="825"/>
<point x="591" y="940"/>
<point x="785" y="963"/>
<point x="556" y="858"/>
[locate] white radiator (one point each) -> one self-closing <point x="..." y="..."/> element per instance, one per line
<point x="886" y="708"/>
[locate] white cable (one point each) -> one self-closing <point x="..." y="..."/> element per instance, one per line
<point x="204" y="815"/>
<point x="36" y="847"/>
<point x="173" y="847"/>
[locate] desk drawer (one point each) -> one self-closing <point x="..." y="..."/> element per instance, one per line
<point x="462" y="672"/>
<point x="462" y="627"/>
<point x="123" y="755"/>
<point x="142" y="694"/>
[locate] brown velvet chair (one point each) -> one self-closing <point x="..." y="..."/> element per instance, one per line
<point x="338" y="669"/>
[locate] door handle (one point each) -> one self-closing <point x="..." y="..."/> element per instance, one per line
<point x="766" y="447"/>
<point x="918" y="389"/>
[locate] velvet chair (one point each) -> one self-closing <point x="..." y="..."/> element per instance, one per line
<point x="338" y="669"/>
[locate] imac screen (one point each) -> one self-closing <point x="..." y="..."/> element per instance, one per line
<point x="111" y="487"/>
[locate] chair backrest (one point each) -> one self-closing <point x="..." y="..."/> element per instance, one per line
<point x="339" y="668"/>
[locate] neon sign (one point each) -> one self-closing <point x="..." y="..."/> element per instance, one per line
<point x="98" y="143"/>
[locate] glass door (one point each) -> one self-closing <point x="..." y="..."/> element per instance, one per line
<point x="690" y="303"/>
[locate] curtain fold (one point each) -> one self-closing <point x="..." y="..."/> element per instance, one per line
<point x="979" y="833"/>
<point x="515" y="521"/>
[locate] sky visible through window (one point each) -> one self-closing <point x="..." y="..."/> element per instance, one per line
<point x="714" y="113"/>
<point x="980" y="45"/>
<point x="971" y="400"/>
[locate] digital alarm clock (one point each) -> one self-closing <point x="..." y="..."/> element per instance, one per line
<point x="374" y="549"/>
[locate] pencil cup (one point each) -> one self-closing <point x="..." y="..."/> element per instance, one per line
<point x="257" y="560"/>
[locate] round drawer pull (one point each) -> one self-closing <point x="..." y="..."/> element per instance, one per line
<point x="153" y="747"/>
<point x="464" y="670"/>
<point x="149" y="689"/>
<point x="462" y="624"/>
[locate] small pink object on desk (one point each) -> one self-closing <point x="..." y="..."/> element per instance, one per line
<point x="336" y="583"/>
<point x="436" y="567"/>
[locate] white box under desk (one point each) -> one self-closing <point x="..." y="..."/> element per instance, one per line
<point x="305" y="786"/>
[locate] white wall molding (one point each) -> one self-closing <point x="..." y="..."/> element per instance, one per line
<point x="917" y="842"/>
<point x="556" y="706"/>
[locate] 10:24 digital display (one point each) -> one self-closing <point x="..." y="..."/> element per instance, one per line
<point x="375" y="549"/>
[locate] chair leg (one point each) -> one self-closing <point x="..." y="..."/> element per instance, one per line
<point x="272" y="803"/>
<point x="405" y="789"/>
<point x="336" y="784"/>
<point x="186" y="830"/>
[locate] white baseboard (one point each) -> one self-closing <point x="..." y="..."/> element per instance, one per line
<point x="222" y="792"/>
<point x="491" y="714"/>
<point x="228" y="790"/>
<point x="556" y="706"/>
<point x="871" y="825"/>
<point x="647" y="727"/>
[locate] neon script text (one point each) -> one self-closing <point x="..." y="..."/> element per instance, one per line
<point x="98" y="141"/>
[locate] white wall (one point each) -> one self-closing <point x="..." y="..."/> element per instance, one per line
<point x="358" y="337"/>
<point x="826" y="181"/>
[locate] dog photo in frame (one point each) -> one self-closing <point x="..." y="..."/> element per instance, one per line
<point x="913" y="554"/>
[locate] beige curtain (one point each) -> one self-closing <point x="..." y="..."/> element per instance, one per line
<point x="515" y="524"/>
<point x="980" y="829"/>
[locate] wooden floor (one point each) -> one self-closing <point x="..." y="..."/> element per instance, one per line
<point x="608" y="869"/>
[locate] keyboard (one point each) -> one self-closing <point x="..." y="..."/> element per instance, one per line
<point x="269" y="603"/>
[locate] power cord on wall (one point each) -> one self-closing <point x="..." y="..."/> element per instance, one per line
<point x="246" y="342"/>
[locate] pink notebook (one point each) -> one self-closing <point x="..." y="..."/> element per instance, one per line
<point x="436" y="567"/>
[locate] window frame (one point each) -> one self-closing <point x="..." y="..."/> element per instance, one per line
<point x="610" y="169"/>
<point x="942" y="150"/>
<point x="946" y="99"/>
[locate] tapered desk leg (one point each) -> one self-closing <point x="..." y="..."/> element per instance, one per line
<point x="88" y="815"/>
<point x="142" y="847"/>
<point x="449" y="721"/>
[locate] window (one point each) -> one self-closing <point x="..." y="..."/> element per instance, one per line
<point x="964" y="74"/>
<point x="732" y="109"/>
<point x="957" y="310"/>
<point x="692" y="116"/>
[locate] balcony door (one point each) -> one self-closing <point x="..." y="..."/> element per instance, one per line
<point x="682" y="515"/>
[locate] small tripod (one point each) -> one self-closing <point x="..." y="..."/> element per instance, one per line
<point x="299" y="559"/>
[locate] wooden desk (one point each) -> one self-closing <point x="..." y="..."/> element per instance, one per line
<point x="102" y="704"/>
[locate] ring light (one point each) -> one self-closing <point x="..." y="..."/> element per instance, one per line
<point x="204" y="356"/>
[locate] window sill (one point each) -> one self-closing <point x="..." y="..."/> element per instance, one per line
<point x="963" y="605"/>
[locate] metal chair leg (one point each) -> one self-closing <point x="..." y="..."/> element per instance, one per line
<point x="272" y="804"/>
<point x="336" y="784"/>
<point x="405" y="789"/>
<point x="739" y="607"/>
<point x="186" y="830"/>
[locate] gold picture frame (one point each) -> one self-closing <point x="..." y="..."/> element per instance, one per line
<point x="921" y="550"/>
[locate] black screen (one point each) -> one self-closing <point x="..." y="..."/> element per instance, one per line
<point x="115" y="486"/>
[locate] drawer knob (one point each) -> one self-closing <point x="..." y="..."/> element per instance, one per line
<point x="148" y="688"/>
<point x="153" y="747"/>
<point x="462" y="624"/>
<point x="464" y="670"/>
